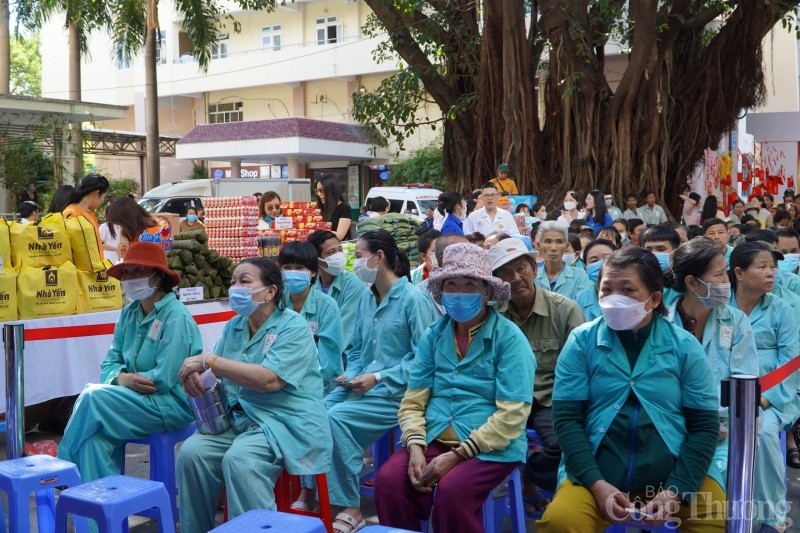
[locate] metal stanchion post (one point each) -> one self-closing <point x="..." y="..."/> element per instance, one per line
<point x="741" y="395"/>
<point x="15" y="393"/>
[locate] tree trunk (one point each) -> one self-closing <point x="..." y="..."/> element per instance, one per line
<point x="75" y="95"/>
<point x="5" y="49"/>
<point x="151" y="107"/>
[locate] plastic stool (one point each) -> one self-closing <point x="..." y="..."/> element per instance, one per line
<point x="494" y="511"/>
<point x="258" y="521"/>
<point x="287" y="490"/>
<point x="382" y="450"/>
<point x="162" y="459"/>
<point x="39" y="474"/>
<point x="110" y="500"/>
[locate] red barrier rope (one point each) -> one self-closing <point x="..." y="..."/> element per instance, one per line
<point x="91" y="330"/>
<point x="774" y="378"/>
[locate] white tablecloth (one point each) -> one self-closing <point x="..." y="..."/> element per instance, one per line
<point x="57" y="363"/>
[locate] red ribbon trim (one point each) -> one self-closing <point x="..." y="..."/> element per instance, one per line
<point x="775" y="377"/>
<point x="91" y="330"/>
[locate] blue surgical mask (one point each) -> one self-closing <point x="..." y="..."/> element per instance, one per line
<point x="593" y="271"/>
<point x="663" y="259"/>
<point x="462" y="306"/>
<point x="241" y="300"/>
<point x="296" y="281"/>
<point x="789" y="263"/>
<point x="191" y="218"/>
<point x="529" y="220"/>
<point x="778" y="275"/>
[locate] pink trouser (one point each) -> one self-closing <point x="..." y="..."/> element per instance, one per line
<point x="460" y="494"/>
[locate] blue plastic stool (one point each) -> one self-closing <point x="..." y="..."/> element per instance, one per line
<point x="162" y="459"/>
<point x="39" y="474"/>
<point x="495" y="510"/>
<point x="110" y="500"/>
<point x="382" y="450"/>
<point x="258" y="521"/>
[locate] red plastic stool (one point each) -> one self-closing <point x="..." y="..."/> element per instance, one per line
<point x="287" y="490"/>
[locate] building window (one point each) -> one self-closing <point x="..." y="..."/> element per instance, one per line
<point x="220" y="50"/>
<point x="329" y="31"/>
<point x="161" y="49"/>
<point x="271" y="37"/>
<point x="122" y="63"/>
<point x="227" y="112"/>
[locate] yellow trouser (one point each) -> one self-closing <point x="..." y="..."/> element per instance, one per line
<point x="573" y="510"/>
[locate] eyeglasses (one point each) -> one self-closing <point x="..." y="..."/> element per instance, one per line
<point x="272" y="207"/>
<point x="491" y="195"/>
<point x="319" y="190"/>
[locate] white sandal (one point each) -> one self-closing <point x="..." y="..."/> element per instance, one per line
<point x="349" y="521"/>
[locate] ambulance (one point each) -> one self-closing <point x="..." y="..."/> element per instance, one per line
<point x="413" y="199"/>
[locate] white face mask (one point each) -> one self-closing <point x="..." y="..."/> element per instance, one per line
<point x="569" y="259"/>
<point x="336" y="263"/>
<point x="718" y="294"/>
<point x="622" y="313"/>
<point x="569" y="206"/>
<point x="138" y="289"/>
<point x="609" y="201"/>
<point x="434" y="261"/>
<point x="364" y="273"/>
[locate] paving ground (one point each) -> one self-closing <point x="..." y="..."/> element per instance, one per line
<point x="137" y="464"/>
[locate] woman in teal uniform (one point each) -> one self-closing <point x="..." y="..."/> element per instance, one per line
<point x="139" y="392"/>
<point x="299" y="265"/>
<point x="775" y="329"/>
<point x="464" y="413"/>
<point x="343" y="286"/>
<point x="635" y="412"/>
<point x="267" y="360"/>
<point x="699" y="276"/>
<point x="594" y="255"/>
<point x="392" y="316"/>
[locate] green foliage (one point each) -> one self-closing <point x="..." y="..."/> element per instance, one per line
<point x="24" y="161"/>
<point x="199" y="172"/>
<point x="122" y="187"/>
<point x="26" y="65"/>
<point x="425" y="165"/>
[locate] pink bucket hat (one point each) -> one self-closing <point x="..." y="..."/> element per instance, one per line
<point x="464" y="260"/>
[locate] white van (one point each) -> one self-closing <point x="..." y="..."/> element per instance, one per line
<point x="416" y="199"/>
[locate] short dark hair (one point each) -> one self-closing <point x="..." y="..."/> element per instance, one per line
<point x="426" y="239"/>
<point x="476" y="236"/>
<point x="788" y="232"/>
<point x="762" y="235"/>
<point x="27" y="208"/>
<point x="489" y="185"/>
<point x="575" y="242"/>
<point x="379" y="203"/>
<point x="646" y="265"/>
<point x="520" y="207"/>
<point x="634" y="223"/>
<point x="781" y="215"/>
<point x="691" y="259"/>
<point x="748" y="218"/>
<point x="712" y="222"/>
<point x="300" y="253"/>
<point x="631" y="195"/>
<point x="596" y="242"/>
<point x="623" y="222"/>
<point x="448" y="201"/>
<point x="660" y="232"/>
<point x="737" y="201"/>
<point x="648" y="193"/>
<point x="614" y="233"/>
<point x="319" y="237"/>
<point x="269" y="274"/>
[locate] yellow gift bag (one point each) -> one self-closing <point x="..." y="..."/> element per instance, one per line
<point x="48" y="291"/>
<point x="5" y="246"/>
<point x="8" y="294"/>
<point x="87" y="252"/>
<point x="97" y="292"/>
<point x="42" y="244"/>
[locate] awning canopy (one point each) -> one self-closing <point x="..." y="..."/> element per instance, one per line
<point x="277" y="140"/>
